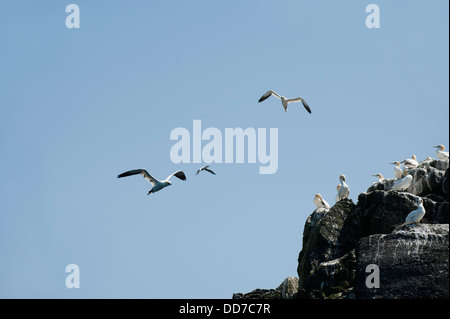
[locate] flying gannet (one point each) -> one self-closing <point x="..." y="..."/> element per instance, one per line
<point x="411" y="162"/>
<point x="397" y="169"/>
<point x="380" y="177"/>
<point x="402" y="184"/>
<point x="157" y="185"/>
<point x="284" y="101"/>
<point x="440" y="152"/>
<point x="416" y="215"/>
<point x="344" y="190"/>
<point x="320" y="202"/>
<point x="205" y="168"/>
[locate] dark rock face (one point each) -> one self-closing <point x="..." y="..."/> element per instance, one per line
<point x="412" y="262"/>
<point x="340" y="243"/>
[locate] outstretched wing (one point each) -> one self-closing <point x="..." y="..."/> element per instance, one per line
<point x="179" y="174"/>
<point x="144" y="173"/>
<point x="208" y="170"/>
<point x="299" y="99"/>
<point x="267" y="95"/>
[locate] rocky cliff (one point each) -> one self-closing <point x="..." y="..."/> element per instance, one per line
<point x="361" y="251"/>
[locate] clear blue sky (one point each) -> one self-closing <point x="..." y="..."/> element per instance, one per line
<point x="80" y="106"/>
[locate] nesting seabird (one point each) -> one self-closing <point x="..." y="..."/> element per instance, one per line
<point x="402" y="184"/>
<point x="398" y="173"/>
<point x="157" y="185"/>
<point x="440" y="152"/>
<point x="379" y="177"/>
<point x="338" y="187"/>
<point x="344" y="190"/>
<point x="320" y="202"/>
<point x="284" y="101"/>
<point x="416" y="215"/>
<point x="411" y="162"/>
<point x="205" y="168"/>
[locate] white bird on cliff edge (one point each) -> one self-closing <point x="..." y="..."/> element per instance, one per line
<point x="284" y="101"/>
<point x="440" y="152"/>
<point x="411" y="162"/>
<point x="379" y="177"/>
<point x="338" y="187"/>
<point x="157" y="185"/>
<point x="320" y="202"/>
<point x="344" y="190"/>
<point x="398" y="173"/>
<point x="416" y="215"/>
<point x="402" y="184"/>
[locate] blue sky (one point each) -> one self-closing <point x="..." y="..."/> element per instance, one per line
<point x="80" y="106"/>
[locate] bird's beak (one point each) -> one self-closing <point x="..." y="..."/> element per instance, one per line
<point x="391" y="163"/>
<point x="374" y="175"/>
<point x="437" y="146"/>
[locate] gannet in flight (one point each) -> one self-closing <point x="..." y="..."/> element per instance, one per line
<point x="205" y="168"/>
<point x="416" y="215"/>
<point x="402" y="184"/>
<point x="344" y="190"/>
<point x="320" y="202"/>
<point x="440" y="152"/>
<point x="411" y="162"/>
<point x="157" y="185"/>
<point x="284" y="100"/>
<point x="380" y="177"/>
<point x="397" y="170"/>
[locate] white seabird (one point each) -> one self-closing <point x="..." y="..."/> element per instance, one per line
<point x="157" y="185"/>
<point x="416" y="215"/>
<point x="205" y="168"/>
<point x="380" y="177"/>
<point x="320" y="202"/>
<point x="398" y="173"/>
<point x="284" y="101"/>
<point x="338" y="187"/>
<point x="402" y="184"/>
<point x="411" y="162"/>
<point x="440" y="152"/>
<point x="344" y="190"/>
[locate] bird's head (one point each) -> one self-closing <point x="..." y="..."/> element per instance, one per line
<point x="317" y="196"/>
<point x="414" y="157"/>
<point x="342" y="177"/>
<point x="440" y="147"/>
<point x="396" y="163"/>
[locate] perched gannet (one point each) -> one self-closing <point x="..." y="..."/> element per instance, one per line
<point x="338" y="187"/>
<point x="416" y="215"/>
<point x="205" y="168"/>
<point x="157" y="185"/>
<point x="344" y="190"/>
<point x="320" y="202"/>
<point x="284" y="100"/>
<point x="411" y="162"/>
<point x="440" y="152"/>
<point x="402" y="184"/>
<point x="397" y="169"/>
<point x="380" y="177"/>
